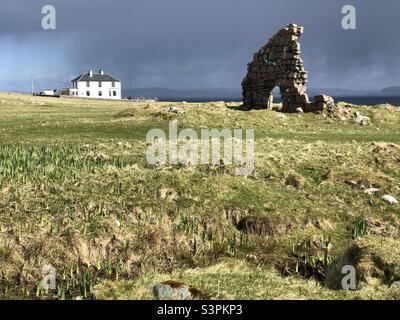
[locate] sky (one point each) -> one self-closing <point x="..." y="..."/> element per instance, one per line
<point x="194" y="44"/>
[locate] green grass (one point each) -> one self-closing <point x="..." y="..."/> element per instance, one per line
<point x="76" y="192"/>
<point x="238" y="280"/>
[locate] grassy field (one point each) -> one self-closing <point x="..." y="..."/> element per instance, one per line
<point x="76" y="192"/>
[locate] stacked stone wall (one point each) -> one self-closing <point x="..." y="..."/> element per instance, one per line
<point x="278" y="63"/>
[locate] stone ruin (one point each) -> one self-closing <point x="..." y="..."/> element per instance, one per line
<point x="278" y="63"/>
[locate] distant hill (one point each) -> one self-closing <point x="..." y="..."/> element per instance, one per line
<point x="185" y="94"/>
<point x="395" y="91"/>
<point x="339" y="92"/>
<point x="228" y="94"/>
<point x="334" y="92"/>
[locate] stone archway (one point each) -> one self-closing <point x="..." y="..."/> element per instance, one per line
<point x="278" y="63"/>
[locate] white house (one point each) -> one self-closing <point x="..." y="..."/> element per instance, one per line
<point x="96" y="85"/>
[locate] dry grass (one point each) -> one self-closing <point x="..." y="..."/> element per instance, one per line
<point x="76" y="192"/>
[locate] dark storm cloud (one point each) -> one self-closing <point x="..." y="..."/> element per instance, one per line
<point x="192" y="43"/>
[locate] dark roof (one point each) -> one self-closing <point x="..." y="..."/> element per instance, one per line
<point x="95" y="77"/>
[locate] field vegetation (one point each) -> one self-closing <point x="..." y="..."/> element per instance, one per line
<point x="77" y="193"/>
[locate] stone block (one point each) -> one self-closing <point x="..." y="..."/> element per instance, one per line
<point x="323" y="98"/>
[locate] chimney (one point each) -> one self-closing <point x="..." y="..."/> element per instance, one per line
<point x="101" y="71"/>
<point x="90" y="73"/>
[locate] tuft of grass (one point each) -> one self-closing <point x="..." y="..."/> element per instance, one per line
<point x="238" y="281"/>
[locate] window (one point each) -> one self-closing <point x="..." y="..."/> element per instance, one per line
<point x="113" y="84"/>
<point x="100" y="93"/>
<point x="100" y="84"/>
<point x="88" y="93"/>
<point x="88" y="84"/>
<point x="114" y="93"/>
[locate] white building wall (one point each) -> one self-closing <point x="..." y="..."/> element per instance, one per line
<point x="48" y="92"/>
<point x="93" y="90"/>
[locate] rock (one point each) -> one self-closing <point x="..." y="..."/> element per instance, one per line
<point x="175" y="110"/>
<point x="390" y="199"/>
<point x="351" y="182"/>
<point x="372" y="190"/>
<point x="360" y="119"/>
<point x="326" y="104"/>
<point x="172" y="291"/>
<point x="322" y="98"/>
